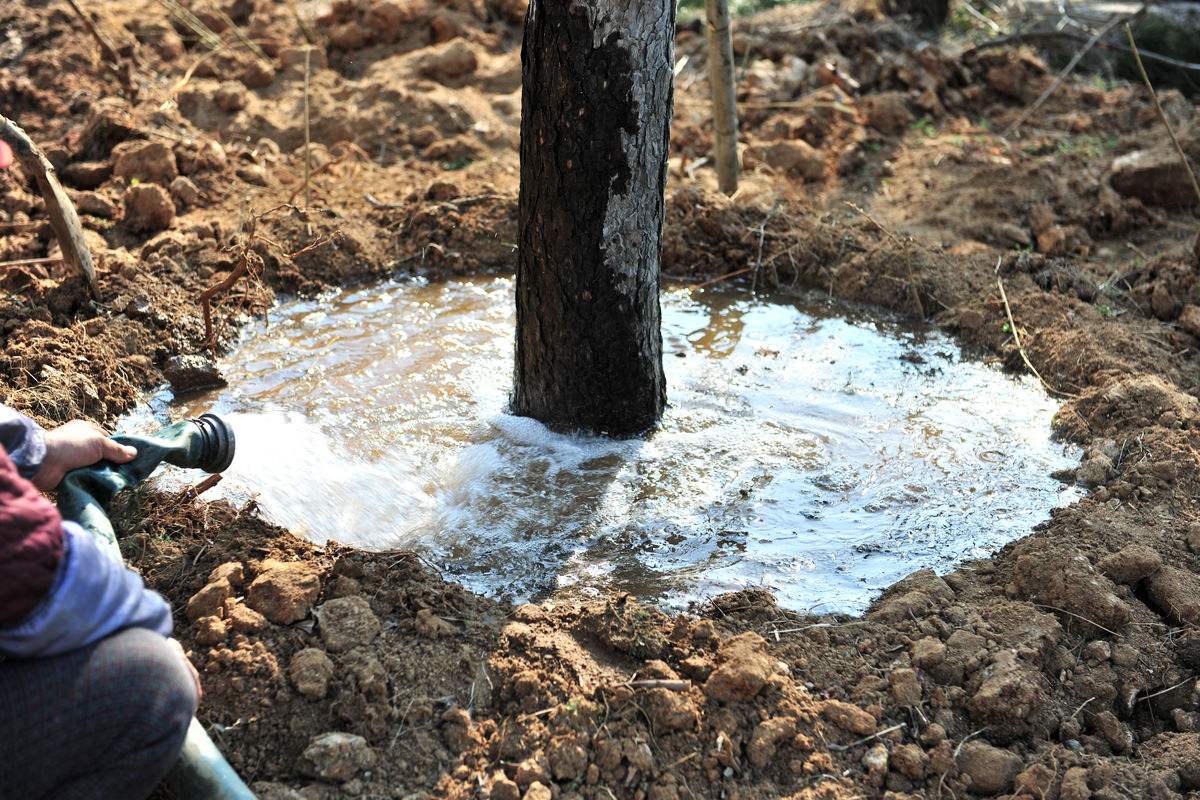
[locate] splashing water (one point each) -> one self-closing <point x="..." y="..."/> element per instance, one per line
<point x="818" y="456"/>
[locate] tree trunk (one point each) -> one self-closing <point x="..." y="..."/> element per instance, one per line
<point x="595" y="126"/>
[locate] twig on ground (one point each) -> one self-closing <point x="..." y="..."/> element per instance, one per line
<point x="26" y="262"/>
<point x="725" y="277"/>
<point x="192" y="492"/>
<point x="1082" y="706"/>
<point x="1168" y="689"/>
<point x="1078" y="617"/>
<point x="670" y="685"/>
<point x="865" y="739"/>
<point x="1024" y="356"/>
<point x="1137" y="57"/>
<point x="59" y="207"/>
<point x="1062" y="75"/>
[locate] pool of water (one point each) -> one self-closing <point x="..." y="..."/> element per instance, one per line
<point x="807" y="448"/>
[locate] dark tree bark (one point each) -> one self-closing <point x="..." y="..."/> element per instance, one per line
<point x="595" y="125"/>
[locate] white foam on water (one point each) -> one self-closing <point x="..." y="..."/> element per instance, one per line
<point x="817" y="456"/>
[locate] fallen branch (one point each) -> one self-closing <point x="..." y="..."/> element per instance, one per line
<point x="1161" y="114"/>
<point x="1033" y="36"/>
<point x="1062" y="75"/>
<point x="1024" y="357"/>
<point x="59" y="208"/>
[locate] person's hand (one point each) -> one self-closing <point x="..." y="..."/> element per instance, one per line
<point x="175" y="645"/>
<point x="77" y="444"/>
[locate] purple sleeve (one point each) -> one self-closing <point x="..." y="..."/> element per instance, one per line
<point x="23" y="440"/>
<point x="93" y="596"/>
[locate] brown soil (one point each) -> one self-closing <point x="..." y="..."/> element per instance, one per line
<point x="1063" y="667"/>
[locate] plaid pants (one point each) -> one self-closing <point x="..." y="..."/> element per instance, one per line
<point x="103" y="722"/>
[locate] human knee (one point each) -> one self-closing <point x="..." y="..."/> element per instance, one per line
<point x="160" y="693"/>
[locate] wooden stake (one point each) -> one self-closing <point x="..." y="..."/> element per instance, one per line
<point x="724" y="95"/>
<point x="59" y="208"/>
<point x="307" y="129"/>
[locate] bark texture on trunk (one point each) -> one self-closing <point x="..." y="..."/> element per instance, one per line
<point x="595" y="125"/>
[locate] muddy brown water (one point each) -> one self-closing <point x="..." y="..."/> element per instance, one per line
<point x="808" y="448"/>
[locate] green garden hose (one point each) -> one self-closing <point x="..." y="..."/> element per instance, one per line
<point x="206" y="443"/>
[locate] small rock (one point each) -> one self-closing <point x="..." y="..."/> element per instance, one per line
<point x="910" y="761"/>
<point x="185" y="192"/>
<point x="849" y="717"/>
<point x="337" y="756"/>
<point x="87" y="174"/>
<point x="991" y="769"/>
<point x="538" y="791"/>
<point x="448" y="62"/>
<point x="284" y="591"/>
<point x="210" y="600"/>
<point x="148" y="208"/>
<point x="209" y="631"/>
<point x="231" y="571"/>
<point x="192" y="373"/>
<point x="503" y="788"/>
<point x="1153" y="176"/>
<point x="95" y="204"/>
<point x="928" y="652"/>
<point x="1131" y="564"/>
<point x="310" y="672"/>
<point x="243" y="619"/>
<point x="347" y="622"/>
<point x="144" y="161"/>
<point x="252" y="173"/>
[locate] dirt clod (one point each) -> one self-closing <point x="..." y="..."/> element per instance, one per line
<point x="337" y="756"/>
<point x="148" y="208"/>
<point x="347" y="622"/>
<point x="310" y="672"/>
<point x="991" y="769"/>
<point x="284" y="592"/>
